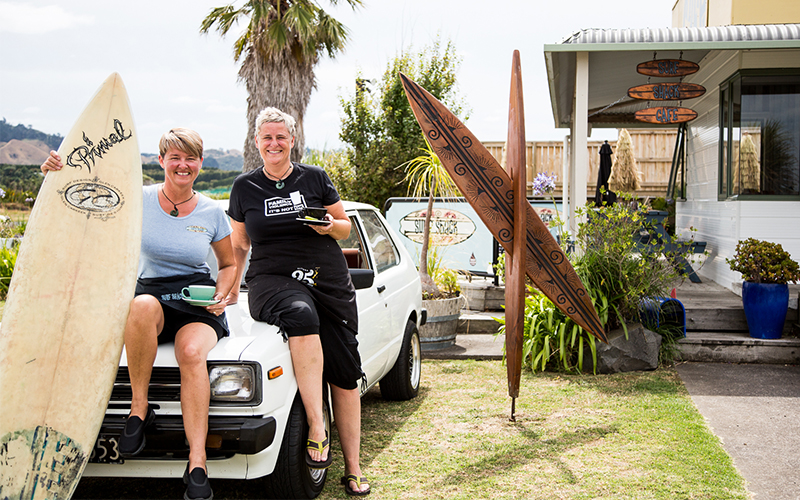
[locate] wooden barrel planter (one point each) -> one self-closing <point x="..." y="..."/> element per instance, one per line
<point x="439" y="331"/>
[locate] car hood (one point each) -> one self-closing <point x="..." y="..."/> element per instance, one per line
<point x="247" y="337"/>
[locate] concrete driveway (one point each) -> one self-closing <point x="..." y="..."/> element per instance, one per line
<point x="755" y="411"/>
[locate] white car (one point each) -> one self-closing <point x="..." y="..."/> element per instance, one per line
<point x="257" y="424"/>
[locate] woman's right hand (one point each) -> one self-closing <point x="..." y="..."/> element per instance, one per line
<point x="53" y="162"/>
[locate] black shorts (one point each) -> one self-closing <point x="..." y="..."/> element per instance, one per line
<point x="174" y="320"/>
<point x="295" y="313"/>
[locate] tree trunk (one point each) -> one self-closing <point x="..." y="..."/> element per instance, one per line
<point x="281" y="81"/>
<point x="429" y="288"/>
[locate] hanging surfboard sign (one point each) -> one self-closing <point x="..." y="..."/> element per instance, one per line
<point x="665" y="115"/>
<point x="667" y="67"/>
<point x="666" y="91"/>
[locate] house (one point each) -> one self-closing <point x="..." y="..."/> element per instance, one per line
<point x="741" y="176"/>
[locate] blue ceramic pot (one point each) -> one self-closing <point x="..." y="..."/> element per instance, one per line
<point x="765" y="306"/>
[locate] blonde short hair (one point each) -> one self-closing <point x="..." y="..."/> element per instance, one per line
<point x="182" y="139"/>
<point x="275" y="115"/>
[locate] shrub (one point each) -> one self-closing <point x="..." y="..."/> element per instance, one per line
<point x="446" y="279"/>
<point x="764" y="262"/>
<point x="8" y="258"/>
<point x="616" y="264"/>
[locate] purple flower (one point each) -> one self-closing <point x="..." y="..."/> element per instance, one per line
<point x="544" y="183"/>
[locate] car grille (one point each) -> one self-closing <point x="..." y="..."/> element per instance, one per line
<point x="165" y="385"/>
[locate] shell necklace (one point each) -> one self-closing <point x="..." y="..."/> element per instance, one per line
<point x="174" y="212"/>
<point x="284" y="175"/>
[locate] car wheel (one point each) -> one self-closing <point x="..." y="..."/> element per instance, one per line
<point x="402" y="382"/>
<point x="292" y="478"/>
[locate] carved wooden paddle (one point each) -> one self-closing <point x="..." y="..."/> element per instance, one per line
<point x="488" y="189"/>
<point x="515" y="260"/>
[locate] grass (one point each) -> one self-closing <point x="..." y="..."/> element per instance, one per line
<point x="624" y="436"/>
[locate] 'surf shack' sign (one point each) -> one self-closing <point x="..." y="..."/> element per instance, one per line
<point x="666" y="91"/>
<point x="665" y="115"/>
<point x="667" y="67"/>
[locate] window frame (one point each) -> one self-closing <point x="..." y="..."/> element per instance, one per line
<point x="725" y="159"/>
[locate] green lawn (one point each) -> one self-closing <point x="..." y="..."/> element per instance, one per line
<point x="625" y="436"/>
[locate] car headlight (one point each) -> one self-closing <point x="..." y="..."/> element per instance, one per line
<point x="235" y="383"/>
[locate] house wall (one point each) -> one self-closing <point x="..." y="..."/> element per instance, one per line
<point x="723" y="223"/>
<point x="702" y="13"/>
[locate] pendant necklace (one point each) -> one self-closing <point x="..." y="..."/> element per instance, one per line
<point x="279" y="184"/>
<point x="174" y="212"/>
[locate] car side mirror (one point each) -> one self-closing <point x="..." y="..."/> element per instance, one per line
<point x="362" y="278"/>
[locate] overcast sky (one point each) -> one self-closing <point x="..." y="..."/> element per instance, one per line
<point x="55" y="54"/>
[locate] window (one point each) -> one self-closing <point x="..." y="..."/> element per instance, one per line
<point x="760" y="135"/>
<point x="379" y="241"/>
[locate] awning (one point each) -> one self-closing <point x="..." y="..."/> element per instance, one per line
<point x="614" y="54"/>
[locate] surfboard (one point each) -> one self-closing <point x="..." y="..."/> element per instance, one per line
<point x="62" y="330"/>
<point x="487" y="187"/>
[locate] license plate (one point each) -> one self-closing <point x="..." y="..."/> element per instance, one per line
<point x="106" y="451"/>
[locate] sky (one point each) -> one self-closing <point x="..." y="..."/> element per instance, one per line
<point x="55" y="54"/>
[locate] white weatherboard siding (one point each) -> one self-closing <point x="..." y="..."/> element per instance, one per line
<point x="722" y="223"/>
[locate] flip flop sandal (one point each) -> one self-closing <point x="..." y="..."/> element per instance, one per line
<point x="312" y="445"/>
<point x="359" y="481"/>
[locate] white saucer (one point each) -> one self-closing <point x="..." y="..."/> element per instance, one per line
<point x="313" y="222"/>
<point x="201" y="303"/>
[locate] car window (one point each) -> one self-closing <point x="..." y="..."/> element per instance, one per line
<point x="379" y="241"/>
<point x="353" y="247"/>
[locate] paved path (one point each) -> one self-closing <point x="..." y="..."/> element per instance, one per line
<point x="755" y="411"/>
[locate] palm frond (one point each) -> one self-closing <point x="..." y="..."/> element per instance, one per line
<point x="426" y="175"/>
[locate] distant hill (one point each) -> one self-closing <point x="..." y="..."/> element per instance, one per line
<point x="23" y="152"/>
<point x="20" y="132"/>
<point x="23" y="145"/>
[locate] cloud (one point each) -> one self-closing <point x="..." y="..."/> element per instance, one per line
<point x="22" y="19"/>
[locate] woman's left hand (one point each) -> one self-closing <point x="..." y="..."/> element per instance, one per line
<point x="326" y="229"/>
<point x="219" y="307"/>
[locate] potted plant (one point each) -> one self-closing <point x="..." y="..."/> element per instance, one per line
<point x="766" y="270"/>
<point x="426" y="176"/>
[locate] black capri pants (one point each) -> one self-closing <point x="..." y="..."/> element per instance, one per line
<point x="295" y="312"/>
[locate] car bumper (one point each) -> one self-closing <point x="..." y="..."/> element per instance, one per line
<point x="227" y="436"/>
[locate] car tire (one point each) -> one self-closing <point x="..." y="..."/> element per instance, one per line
<point x="292" y="478"/>
<point x="402" y="382"/>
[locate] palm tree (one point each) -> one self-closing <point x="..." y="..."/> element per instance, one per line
<point x="281" y="45"/>
<point x="425" y="174"/>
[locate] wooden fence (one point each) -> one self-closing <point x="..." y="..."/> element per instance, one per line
<point x="652" y="149"/>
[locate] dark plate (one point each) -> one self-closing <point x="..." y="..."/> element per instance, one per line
<point x="313" y="222"/>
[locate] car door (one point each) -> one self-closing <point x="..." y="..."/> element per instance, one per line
<point x="374" y="313"/>
<point x="391" y="282"/>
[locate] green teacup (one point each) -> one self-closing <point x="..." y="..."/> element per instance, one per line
<point x="199" y="292"/>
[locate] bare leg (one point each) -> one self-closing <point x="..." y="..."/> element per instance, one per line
<point x="192" y="344"/>
<point x="347" y="413"/>
<point x="307" y="361"/>
<point x="145" y="321"/>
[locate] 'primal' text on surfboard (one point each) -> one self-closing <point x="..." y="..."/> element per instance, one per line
<point x="85" y="155"/>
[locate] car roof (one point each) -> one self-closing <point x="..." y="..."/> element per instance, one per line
<point x="355" y="205"/>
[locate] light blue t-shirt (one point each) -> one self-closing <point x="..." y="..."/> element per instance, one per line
<point x="173" y="246"/>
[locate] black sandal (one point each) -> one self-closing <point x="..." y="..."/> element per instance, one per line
<point x="320" y="446"/>
<point x="359" y="481"/>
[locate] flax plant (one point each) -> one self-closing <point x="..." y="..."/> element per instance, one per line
<point x="426" y="175"/>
